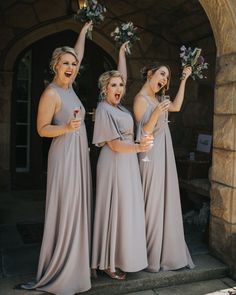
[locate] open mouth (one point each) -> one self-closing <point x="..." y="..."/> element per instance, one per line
<point x="117" y="96"/>
<point x="68" y="74"/>
<point x="160" y="85"/>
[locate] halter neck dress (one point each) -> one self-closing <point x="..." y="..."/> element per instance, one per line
<point x="64" y="263"/>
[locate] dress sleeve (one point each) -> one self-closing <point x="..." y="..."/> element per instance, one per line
<point x="105" y="127"/>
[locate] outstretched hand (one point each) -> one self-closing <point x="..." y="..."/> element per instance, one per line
<point x="88" y="26"/>
<point x="124" y="47"/>
<point x="187" y="71"/>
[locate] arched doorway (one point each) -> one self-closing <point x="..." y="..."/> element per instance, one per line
<point x="32" y="75"/>
<point x="222" y="16"/>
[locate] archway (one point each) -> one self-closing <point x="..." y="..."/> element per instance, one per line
<point x="32" y="74"/>
<point x="222" y="16"/>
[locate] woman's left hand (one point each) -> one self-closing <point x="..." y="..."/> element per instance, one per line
<point x="187" y="71"/>
<point x="88" y="26"/>
<point x="124" y="47"/>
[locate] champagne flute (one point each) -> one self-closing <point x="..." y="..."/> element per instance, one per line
<point x="163" y="98"/>
<point x="77" y="116"/>
<point x="146" y="158"/>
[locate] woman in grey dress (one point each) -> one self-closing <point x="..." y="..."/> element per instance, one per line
<point x="166" y="247"/>
<point x="64" y="263"/>
<point x="119" y="243"/>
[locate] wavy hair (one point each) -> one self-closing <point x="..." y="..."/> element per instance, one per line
<point x="153" y="67"/>
<point x="58" y="53"/>
<point x="104" y="80"/>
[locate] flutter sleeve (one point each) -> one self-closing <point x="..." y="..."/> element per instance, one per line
<point x="106" y="126"/>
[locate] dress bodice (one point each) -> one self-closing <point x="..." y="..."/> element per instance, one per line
<point x="69" y="102"/>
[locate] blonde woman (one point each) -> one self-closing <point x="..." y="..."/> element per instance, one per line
<point x="64" y="262"/>
<point x="119" y="243"/>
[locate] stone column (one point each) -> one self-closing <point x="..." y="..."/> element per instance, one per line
<point x="222" y="16"/>
<point x="5" y="123"/>
<point x="223" y="192"/>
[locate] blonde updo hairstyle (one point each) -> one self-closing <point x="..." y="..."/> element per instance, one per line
<point x="104" y="80"/>
<point x="58" y="53"/>
<point x="153" y="67"/>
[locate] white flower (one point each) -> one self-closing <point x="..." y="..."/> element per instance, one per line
<point x="116" y="30"/>
<point x="125" y="26"/>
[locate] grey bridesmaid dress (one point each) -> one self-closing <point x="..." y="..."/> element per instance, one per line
<point x="119" y="224"/>
<point x="64" y="263"/>
<point x="166" y="247"/>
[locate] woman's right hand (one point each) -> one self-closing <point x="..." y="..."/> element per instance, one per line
<point x="146" y="143"/>
<point x="162" y="106"/>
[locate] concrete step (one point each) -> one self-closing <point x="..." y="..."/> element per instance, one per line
<point x="224" y="286"/>
<point x="207" y="268"/>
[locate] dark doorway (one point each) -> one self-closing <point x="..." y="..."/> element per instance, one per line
<point x="32" y="74"/>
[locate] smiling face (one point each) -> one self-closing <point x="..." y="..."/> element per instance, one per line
<point x="114" y="91"/>
<point x="158" y="79"/>
<point x="66" y="68"/>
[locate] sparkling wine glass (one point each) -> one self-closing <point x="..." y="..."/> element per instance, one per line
<point x="77" y="116"/>
<point x="163" y="98"/>
<point x="146" y="158"/>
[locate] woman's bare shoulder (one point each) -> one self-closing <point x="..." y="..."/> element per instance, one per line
<point x="50" y="94"/>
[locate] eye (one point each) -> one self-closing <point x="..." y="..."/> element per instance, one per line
<point x="121" y="84"/>
<point x="113" y="85"/>
<point x="65" y="63"/>
<point x="74" y="64"/>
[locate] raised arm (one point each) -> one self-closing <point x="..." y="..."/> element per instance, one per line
<point x="122" y="67"/>
<point x="176" y="104"/>
<point x="80" y="43"/>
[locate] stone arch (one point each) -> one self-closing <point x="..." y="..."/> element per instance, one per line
<point x="222" y="16"/>
<point x="29" y="38"/>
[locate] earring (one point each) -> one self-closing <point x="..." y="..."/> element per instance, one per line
<point x="103" y="95"/>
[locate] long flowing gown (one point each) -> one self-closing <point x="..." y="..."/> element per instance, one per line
<point x="119" y="224"/>
<point x="64" y="263"/>
<point x="166" y="247"/>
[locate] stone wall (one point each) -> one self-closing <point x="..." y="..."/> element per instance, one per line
<point x="222" y="15"/>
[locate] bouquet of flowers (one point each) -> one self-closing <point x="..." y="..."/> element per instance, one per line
<point x="192" y="57"/>
<point x="93" y="11"/>
<point x="123" y="33"/>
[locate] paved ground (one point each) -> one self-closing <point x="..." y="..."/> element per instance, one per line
<point x="224" y="286"/>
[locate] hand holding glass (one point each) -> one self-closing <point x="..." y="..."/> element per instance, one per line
<point x="148" y="140"/>
<point x="77" y="116"/>
<point x="165" y="98"/>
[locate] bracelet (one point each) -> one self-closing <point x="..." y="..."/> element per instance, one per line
<point x="136" y="147"/>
